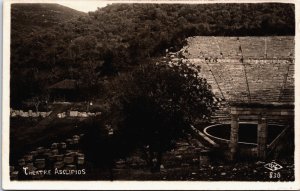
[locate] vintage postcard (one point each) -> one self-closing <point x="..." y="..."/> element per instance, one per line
<point x="150" y="95"/>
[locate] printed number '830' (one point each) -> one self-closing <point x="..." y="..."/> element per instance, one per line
<point x="274" y="175"/>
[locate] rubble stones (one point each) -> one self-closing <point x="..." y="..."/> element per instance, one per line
<point x="75" y="140"/>
<point x="180" y="162"/>
<point x="76" y="137"/>
<point x="71" y="153"/>
<point x="51" y="158"/>
<point x="54" y="146"/>
<point x="59" y="164"/>
<point x="14" y="175"/>
<point x="34" y="153"/>
<point x="55" y="151"/>
<point x="30" y="167"/>
<point x="70" y="167"/>
<point x="21" y="162"/>
<point x="40" y="150"/>
<point x="43" y="114"/>
<point x="59" y="157"/>
<point x="40" y="163"/>
<point x="47" y="150"/>
<point x="48" y="154"/>
<point x="80" y="160"/>
<point x="73" y="113"/>
<point x="69" y="141"/>
<point x="28" y="158"/>
<point x="69" y="159"/>
<point x="63" y="145"/>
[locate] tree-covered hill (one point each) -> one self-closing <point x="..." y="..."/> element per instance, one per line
<point x="28" y="17"/>
<point x="119" y="36"/>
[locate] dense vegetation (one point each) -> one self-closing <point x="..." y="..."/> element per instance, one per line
<point x="150" y="108"/>
<point x="116" y="37"/>
<point x="32" y="16"/>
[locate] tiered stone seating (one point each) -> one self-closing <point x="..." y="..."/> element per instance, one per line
<point x="229" y="47"/>
<point x="253" y="47"/>
<point x="280" y="47"/>
<point x="231" y="79"/>
<point x="203" y="47"/>
<point x="227" y="75"/>
<point x="266" y="75"/>
<point x="207" y="74"/>
<point x="287" y="94"/>
<point x="265" y="78"/>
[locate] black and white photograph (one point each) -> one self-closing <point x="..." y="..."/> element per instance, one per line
<point x="163" y="92"/>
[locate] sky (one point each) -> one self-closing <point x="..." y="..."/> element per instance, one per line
<point x="84" y="6"/>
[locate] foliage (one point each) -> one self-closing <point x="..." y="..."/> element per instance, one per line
<point x="35" y="16"/>
<point x="152" y="106"/>
<point x="174" y="85"/>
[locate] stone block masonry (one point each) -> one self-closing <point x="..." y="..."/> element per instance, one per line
<point x="246" y="69"/>
<point x="275" y="47"/>
<point x="234" y="136"/>
<point x="266" y="79"/>
<point x="30" y="113"/>
<point x="263" y="113"/>
<point x="262" y="134"/>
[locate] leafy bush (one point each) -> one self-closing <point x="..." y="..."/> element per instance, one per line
<point x="153" y="105"/>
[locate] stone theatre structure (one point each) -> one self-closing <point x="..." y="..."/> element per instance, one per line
<point x="253" y="77"/>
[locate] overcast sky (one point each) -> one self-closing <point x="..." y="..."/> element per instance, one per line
<point x="84" y="6"/>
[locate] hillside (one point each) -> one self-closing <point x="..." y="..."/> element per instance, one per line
<point x="124" y="35"/>
<point x="28" y="17"/>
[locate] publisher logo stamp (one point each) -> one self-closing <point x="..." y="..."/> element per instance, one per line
<point x="273" y="166"/>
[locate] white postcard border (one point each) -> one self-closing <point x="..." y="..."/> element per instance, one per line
<point x="146" y="185"/>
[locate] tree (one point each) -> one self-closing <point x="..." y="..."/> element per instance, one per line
<point x="153" y="106"/>
<point x="98" y="146"/>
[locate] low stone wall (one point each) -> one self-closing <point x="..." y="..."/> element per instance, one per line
<point x="78" y="114"/>
<point x="29" y="113"/>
